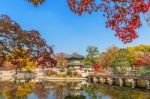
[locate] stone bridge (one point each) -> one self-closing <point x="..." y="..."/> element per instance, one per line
<point x="111" y="80"/>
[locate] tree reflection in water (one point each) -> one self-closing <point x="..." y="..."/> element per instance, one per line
<point x="7" y="90"/>
<point x="115" y="92"/>
<point x="60" y="90"/>
<point x="41" y="89"/>
<point x="91" y="90"/>
<point x="65" y="90"/>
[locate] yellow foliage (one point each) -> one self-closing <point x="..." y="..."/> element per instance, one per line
<point x="30" y="66"/>
<point x="25" y="61"/>
<point x="6" y="93"/>
<point x="24" y="89"/>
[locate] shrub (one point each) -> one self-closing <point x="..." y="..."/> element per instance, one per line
<point x="49" y="73"/>
<point x="69" y="72"/>
<point x="144" y="71"/>
<point x="75" y="74"/>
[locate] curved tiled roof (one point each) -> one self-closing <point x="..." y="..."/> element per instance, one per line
<point x="75" y="55"/>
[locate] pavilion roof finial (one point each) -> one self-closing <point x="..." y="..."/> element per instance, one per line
<point x="74" y="51"/>
<point x="75" y="55"/>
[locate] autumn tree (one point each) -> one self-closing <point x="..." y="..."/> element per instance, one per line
<point x="106" y="58"/>
<point x="45" y="58"/>
<point x="61" y="59"/>
<point x="122" y="16"/>
<point x="142" y="48"/>
<point x="14" y="38"/>
<point x="21" y="59"/>
<point x="134" y="51"/>
<point x="2" y="55"/>
<point x="142" y="63"/>
<point x="121" y="63"/>
<point x="121" y="59"/>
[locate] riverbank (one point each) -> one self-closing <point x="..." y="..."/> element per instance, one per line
<point x="11" y="75"/>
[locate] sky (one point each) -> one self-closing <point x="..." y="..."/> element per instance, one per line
<point x="64" y="29"/>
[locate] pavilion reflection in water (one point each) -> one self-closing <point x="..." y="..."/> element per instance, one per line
<point x="75" y="92"/>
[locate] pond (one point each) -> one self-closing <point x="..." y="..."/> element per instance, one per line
<point x="67" y="90"/>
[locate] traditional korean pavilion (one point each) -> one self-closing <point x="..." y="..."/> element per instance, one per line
<point x="75" y="61"/>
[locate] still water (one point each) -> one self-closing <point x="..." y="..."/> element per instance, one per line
<point x="67" y="90"/>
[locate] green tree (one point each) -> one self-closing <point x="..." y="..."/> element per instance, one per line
<point x="86" y="61"/>
<point x="135" y="51"/>
<point x="121" y="63"/>
<point x="144" y="71"/>
<point x="92" y="55"/>
<point x="106" y="58"/>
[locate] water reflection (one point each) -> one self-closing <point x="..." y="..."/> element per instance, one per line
<point x="67" y="90"/>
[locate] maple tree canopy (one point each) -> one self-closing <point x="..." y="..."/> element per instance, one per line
<point x="122" y="16"/>
<point x="17" y="45"/>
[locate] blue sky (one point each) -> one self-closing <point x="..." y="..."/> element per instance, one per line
<point x="66" y="30"/>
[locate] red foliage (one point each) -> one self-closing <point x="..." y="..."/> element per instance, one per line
<point x="143" y="60"/>
<point x="36" y="2"/>
<point x="45" y="59"/>
<point x="123" y="16"/>
<point x="13" y="37"/>
<point x="96" y="67"/>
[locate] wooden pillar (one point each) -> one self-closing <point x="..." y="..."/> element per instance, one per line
<point x="120" y="82"/>
<point x="94" y="79"/>
<point x="147" y="84"/>
<point x="111" y="81"/>
<point x="134" y="83"/>
<point x="124" y="81"/>
<point x="102" y="80"/>
<point x="91" y="79"/>
<point x="105" y="81"/>
<point x="98" y="79"/>
<point x="88" y="79"/>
